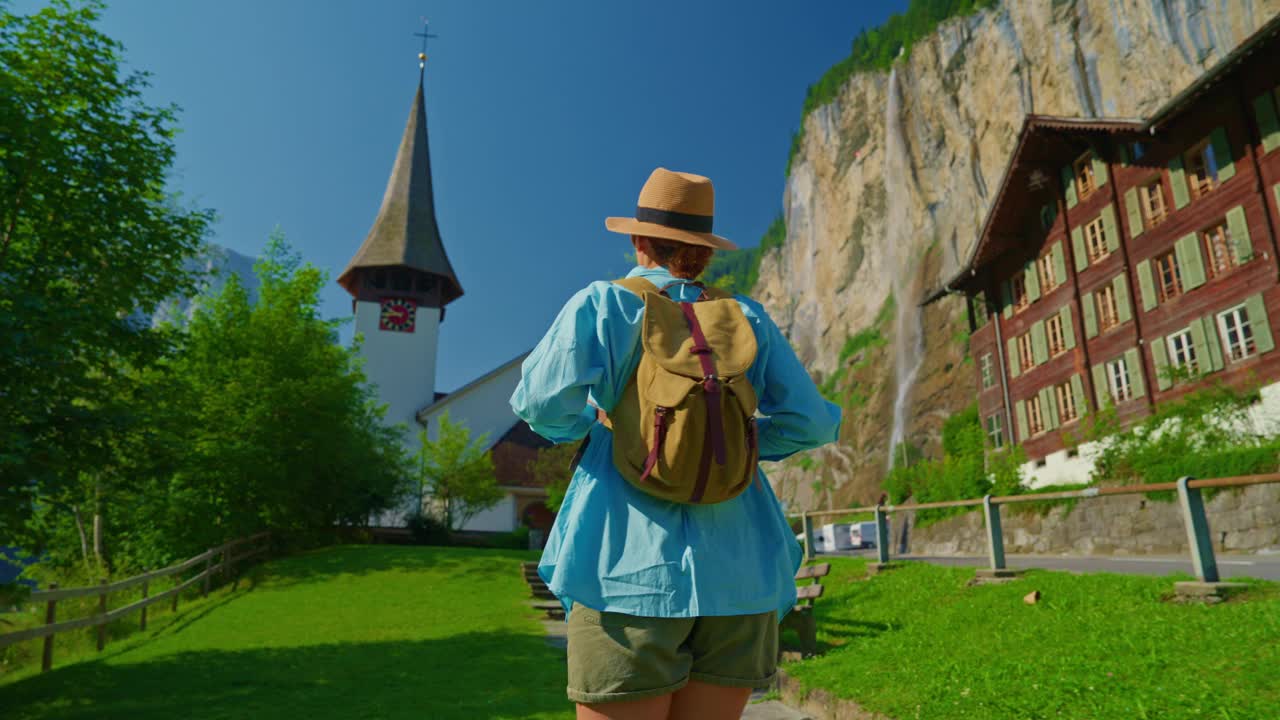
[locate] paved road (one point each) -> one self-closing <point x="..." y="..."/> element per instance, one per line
<point x="1266" y="567"/>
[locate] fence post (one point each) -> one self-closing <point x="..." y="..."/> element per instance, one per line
<point x="143" y="623"/>
<point x="807" y="523"/>
<point x="1197" y="525"/>
<point x="102" y="610"/>
<point x="208" y="569"/>
<point x="882" y="535"/>
<point x="995" y="534"/>
<point x="50" y="612"/>
<point x="177" y="580"/>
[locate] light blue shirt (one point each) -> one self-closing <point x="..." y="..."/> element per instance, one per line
<point x="615" y="548"/>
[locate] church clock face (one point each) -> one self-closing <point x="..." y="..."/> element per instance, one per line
<point x="397" y="314"/>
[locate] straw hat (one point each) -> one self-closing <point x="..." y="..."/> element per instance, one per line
<point x="675" y="206"/>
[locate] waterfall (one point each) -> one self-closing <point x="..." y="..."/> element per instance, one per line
<point x="908" y="331"/>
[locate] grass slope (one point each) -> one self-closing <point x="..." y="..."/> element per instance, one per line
<point x="916" y="642"/>
<point x="344" y="632"/>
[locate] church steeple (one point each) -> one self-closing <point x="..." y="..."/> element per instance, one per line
<point x="403" y="250"/>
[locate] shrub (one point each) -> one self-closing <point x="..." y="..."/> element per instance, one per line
<point x="428" y="530"/>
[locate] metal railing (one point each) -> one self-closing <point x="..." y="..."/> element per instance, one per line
<point x="1189" y="498"/>
<point x="228" y="562"/>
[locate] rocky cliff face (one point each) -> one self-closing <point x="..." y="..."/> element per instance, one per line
<point x="892" y="182"/>
<point x="214" y="265"/>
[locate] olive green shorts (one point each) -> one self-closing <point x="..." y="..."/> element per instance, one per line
<point x="615" y="657"/>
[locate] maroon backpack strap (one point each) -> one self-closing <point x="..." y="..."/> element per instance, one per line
<point x="710" y="384"/>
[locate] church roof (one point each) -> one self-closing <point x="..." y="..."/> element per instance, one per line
<point x="405" y="232"/>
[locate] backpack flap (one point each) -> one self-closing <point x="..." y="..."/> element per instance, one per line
<point x="668" y="341"/>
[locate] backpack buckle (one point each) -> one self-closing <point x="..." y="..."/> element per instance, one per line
<point x="711" y="383"/>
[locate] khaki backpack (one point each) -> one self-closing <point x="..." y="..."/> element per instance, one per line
<point x="684" y="429"/>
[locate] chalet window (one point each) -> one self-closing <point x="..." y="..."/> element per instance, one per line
<point x="1035" y="415"/>
<point x="1235" y="329"/>
<point x="1153" y="208"/>
<point x="1137" y="150"/>
<point x="1096" y="239"/>
<point x="1118" y="381"/>
<point x="1168" y="276"/>
<point x="1085" y="182"/>
<point x="1057" y="341"/>
<point x="980" y="313"/>
<point x="1108" y="311"/>
<point x="1202" y="169"/>
<point x="1048" y="213"/>
<point x="995" y="431"/>
<point x="1018" y="290"/>
<point x="1066" y="403"/>
<point x="1044" y="268"/>
<point x="1026" y="355"/>
<point x="988" y="371"/>
<point x="1217" y="246"/>
<point x="1182" y="352"/>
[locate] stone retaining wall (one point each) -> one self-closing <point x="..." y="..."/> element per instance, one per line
<point x="1241" y="521"/>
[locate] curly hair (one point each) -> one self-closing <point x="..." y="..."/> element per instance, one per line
<point x="685" y="261"/>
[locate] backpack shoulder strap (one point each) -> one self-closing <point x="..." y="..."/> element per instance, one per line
<point x="637" y="285"/>
<point x="715" y="293"/>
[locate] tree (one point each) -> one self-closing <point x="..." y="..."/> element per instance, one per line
<point x="455" y="474"/>
<point x="550" y="468"/>
<point x="89" y="240"/>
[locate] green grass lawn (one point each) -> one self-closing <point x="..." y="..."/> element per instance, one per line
<point x="916" y="642"/>
<point x="344" y="632"/>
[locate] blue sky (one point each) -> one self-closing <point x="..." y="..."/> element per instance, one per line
<point x="544" y="118"/>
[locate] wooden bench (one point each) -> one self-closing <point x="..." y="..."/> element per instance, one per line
<point x="801" y="617"/>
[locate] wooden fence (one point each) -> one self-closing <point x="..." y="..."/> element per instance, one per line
<point x="1193" y="516"/>
<point x="227" y="564"/>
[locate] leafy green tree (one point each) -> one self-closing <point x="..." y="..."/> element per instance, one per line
<point x="88" y="240"/>
<point x="455" y="475"/>
<point x="550" y="468"/>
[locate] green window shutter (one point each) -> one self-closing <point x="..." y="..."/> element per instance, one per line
<point x="1124" y="154"/>
<point x="1124" y="312"/>
<point x="1133" y="363"/>
<point x="1222" y="154"/>
<point x="1101" y="392"/>
<point x="1160" y="359"/>
<point x="1049" y="404"/>
<point x="1059" y="264"/>
<point x="1020" y="409"/>
<point x="1077" y="245"/>
<point x="1146" y="285"/>
<point x="1109" y="227"/>
<point x="1239" y="229"/>
<point x="1264" y="108"/>
<point x="1006" y="295"/>
<point x="1190" y="261"/>
<point x="1135" y="212"/>
<point x="1212" y="342"/>
<point x="1033" y="281"/>
<point x="1204" y="358"/>
<point x="1259" y="324"/>
<point x="1069" y="185"/>
<point x="1077" y="391"/>
<point x="1090" y="316"/>
<point x="1068" y="329"/>
<point x="1014" y="370"/>
<point x="1099" y="171"/>
<point x="1039" y="348"/>
<point x="1178" y="181"/>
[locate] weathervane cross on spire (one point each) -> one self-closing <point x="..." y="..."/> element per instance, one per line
<point x="425" y="35"/>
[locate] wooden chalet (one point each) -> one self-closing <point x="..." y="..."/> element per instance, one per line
<point x="1126" y="262"/>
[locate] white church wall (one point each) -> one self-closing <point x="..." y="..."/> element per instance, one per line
<point x="401" y="364"/>
<point x="499" y="518"/>
<point x="483" y="407"/>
